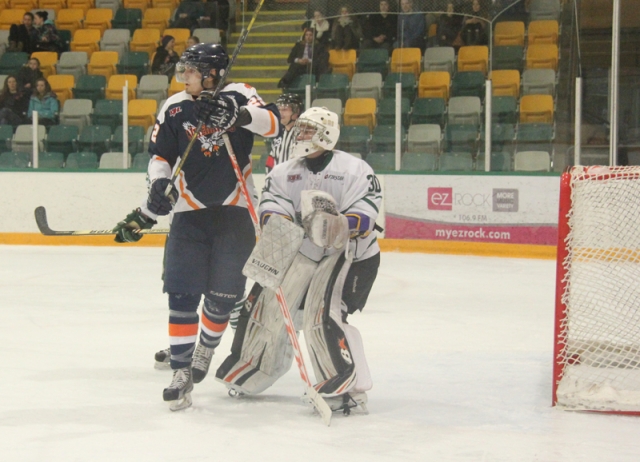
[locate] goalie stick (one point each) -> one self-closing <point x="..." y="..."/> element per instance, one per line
<point x="311" y="394"/>
<point x="43" y="226"/>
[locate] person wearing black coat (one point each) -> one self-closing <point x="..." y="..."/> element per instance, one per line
<point x="14" y="103"/>
<point x="307" y="55"/>
<point x="381" y="29"/>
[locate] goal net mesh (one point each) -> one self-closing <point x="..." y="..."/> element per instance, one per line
<point x="599" y="331"/>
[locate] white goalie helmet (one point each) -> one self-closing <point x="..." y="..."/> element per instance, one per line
<point x="316" y="129"/>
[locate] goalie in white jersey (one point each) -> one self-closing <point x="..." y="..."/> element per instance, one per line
<point x="335" y="197"/>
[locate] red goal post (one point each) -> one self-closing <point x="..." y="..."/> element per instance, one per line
<point x="597" y="321"/>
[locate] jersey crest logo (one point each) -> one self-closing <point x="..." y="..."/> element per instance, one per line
<point x="293" y="178"/>
<point x="174" y="111"/>
<point x="210" y="138"/>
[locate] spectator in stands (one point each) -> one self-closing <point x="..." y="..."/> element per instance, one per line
<point x="191" y="41"/>
<point x="164" y="62"/>
<point x="307" y="55"/>
<point x="474" y="27"/>
<point x="346" y="31"/>
<point x="47" y="38"/>
<point x="449" y="26"/>
<point x="321" y="26"/>
<point x="380" y="29"/>
<point x="14" y="103"/>
<point x="187" y="14"/>
<point x="411" y="27"/>
<point x="45" y="103"/>
<point x="21" y="35"/>
<point x="28" y="74"/>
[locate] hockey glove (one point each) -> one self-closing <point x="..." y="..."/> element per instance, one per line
<point x="221" y="112"/>
<point x="327" y="230"/>
<point x="157" y="202"/>
<point x="126" y="229"/>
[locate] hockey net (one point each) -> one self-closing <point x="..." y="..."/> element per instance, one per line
<point x="597" y="331"/>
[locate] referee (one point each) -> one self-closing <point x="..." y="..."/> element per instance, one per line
<point x="290" y="107"/>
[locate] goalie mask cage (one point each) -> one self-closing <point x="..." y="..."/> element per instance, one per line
<point x="597" y="322"/>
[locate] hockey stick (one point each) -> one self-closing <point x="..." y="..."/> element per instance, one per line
<point x="221" y="82"/>
<point x="43" y="226"/>
<point x="312" y="395"/>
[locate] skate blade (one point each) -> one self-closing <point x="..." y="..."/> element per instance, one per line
<point x="162" y="366"/>
<point x="182" y="403"/>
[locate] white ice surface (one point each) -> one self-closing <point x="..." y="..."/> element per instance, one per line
<point x="460" y="351"/>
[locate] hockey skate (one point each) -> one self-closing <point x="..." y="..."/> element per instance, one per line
<point x="163" y="359"/>
<point x="178" y="393"/>
<point x="200" y="362"/>
<point x="347" y="402"/>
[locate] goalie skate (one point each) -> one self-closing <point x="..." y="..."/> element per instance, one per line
<point x="163" y="359"/>
<point x="178" y="393"/>
<point x="347" y="402"/>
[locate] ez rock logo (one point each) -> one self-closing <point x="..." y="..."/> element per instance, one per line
<point x="440" y="198"/>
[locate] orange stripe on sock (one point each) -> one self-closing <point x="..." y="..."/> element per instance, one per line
<point x="183" y="330"/>
<point x="214" y="326"/>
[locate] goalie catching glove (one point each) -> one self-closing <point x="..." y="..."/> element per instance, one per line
<point x="158" y="202"/>
<point x="126" y="230"/>
<point x="322" y="222"/>
<point x="221" y="112"/>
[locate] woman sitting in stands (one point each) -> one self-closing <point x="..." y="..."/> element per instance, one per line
<point x="46" y="37"/>
<point x="13" y="103"/>
<point x="346" y="31"/>
<point x="45" y="103"/>
<point x="164" y="62"/>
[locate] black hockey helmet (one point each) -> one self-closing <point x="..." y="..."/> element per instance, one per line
<point x="203" y="57"/>
<point x="292" y="100"/>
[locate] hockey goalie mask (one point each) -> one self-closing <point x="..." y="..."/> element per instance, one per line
<point x="317" y="129"/>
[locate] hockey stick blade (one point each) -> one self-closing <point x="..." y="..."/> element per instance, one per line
<point x="320" y="405"/>
<point x="43" y="226"/>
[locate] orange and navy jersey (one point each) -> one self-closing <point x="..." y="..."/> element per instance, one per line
<point x="207" y="177"/>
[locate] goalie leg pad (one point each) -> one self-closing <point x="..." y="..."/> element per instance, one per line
<point x="329" y="345"/>
<point x="261" y="351"/>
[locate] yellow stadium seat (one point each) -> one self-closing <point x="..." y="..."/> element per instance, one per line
<point x="505" y="83"/>
<point x="103" y="63"/>
<point x="27" y="5"/>
<point x="140" y="4"/>
<point x="48" y="61"/>
<point x="181" y="36"/>
<point x="536" y="109"/>
<point x="61" y="85"/>
<point x="116" y="82"/>
<point x="9" y="17"/>
<point x="473" y="58"/>
<point x="84" y="5"/>
<point x="543" y="32"/>
<point x="509" y="33"/>
<point x="175" y="86"/>
<point x="70" y="19"/>
<point x="406" y="60"/>
<point x="360" y="111"/>
<point x="542" y="56"/>
<point x="55" y="5"/>
<point x="142" y="112"/>
<point x="98" y="18"/>
<point x="171" y="4"/>
<point x="86" y="40"/>
<point x="343" y="62"/>
<point x="156" y="18"/>
<point x="145" y="40"/>
<point x="434" y="84"/>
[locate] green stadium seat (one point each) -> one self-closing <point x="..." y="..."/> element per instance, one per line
<point x="384" y="138"/>
<point x="62" y="138"/>
<point x="373" y="60"/>
<point x="11" y="62"/>
<point x="354" y="138"/>
<point x="95" y="138"/>
<point x="461" y="137"/>
<point x="136" y="140"/>
<point x="508" y="57"/>
<point x="504" y="109"/>
<point x="468" y="84"/>
<point x="428" y="111"/>
<point x="90" y="87"/>
<point x="333" y="86"/>
<point x="456" y="161"/>
<point x="140" y="162"/>
<point x="6" y="134"/>
<point x="534" y="137"/>
<point x="65" y="37"/>
<point x="127" y="18"/>
<point x="298" y="85"/>
<point x="387" y="111"/>
<point x="51" y="160"/>
<point x="382" y="161"/>
<point x="135" y="63"/>
<point x="500" y="162"/>
<point x="14" y="160"/>
<point x="419" y="161"/>
<point x="82" y="161"/>
<point x="107" y="112"/>
<point x="407" y="81"/>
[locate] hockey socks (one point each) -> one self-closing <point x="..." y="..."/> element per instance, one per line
<point x="183" y="328"/>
